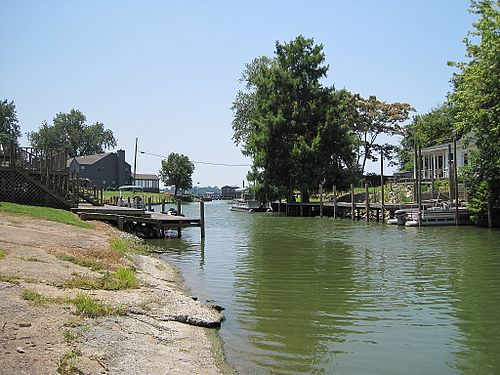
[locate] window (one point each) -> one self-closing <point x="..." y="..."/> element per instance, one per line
<point x="466" y="158"/>
<point x="104" y="182"/>
<point x="82" y="168"/>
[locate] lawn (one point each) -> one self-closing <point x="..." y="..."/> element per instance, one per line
<point x="46" y="213"/>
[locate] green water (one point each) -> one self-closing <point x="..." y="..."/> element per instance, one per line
<point x="324" y="296"/>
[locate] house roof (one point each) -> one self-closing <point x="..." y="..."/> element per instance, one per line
<point x="145" y="176"/>
<point x="444" y="147"/>
<point x="88" y="159"/>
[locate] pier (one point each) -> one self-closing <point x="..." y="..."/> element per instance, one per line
<point x="143" y="223"/>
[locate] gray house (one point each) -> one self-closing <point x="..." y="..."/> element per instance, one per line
<point x="228" y="192"/>
<point x="107" y="170"/>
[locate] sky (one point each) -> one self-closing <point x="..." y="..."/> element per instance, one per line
<point x="166" y="72"/>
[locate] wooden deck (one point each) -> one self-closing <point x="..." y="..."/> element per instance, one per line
<point x="145" y="224"/>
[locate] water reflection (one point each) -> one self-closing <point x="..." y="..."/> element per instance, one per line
<point x="324" y="296"/>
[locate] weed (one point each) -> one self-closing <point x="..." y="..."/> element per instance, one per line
<point x="10" y="279"/>
<point x="35" y="297"/>
<point x="68" y="362"/>
<point x="91" y="308"/>
<point x="72" y="323"/>
<point x="88" y="263"/>
<point x="120" y="245"/>
<point x="122" y="278"/>
<point x="3" y="254"/>
<point x="69" y="336"/>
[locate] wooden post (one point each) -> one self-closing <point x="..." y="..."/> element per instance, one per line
<point x="433" y="186"/>
<point x="179" y="213"/>
<point x="353" y="204"/>
<point x="149" y="203"/>
<point x="202" y="218"/>
<point x="321" y="200"/>
<point x="419" y="178"/>
<point x="129" y="204"/>
<point x="450" y="182"/>
<point x="163" y="206"/>
<point x="415" y="173"/>
<point x="367" y="204"/>
<point x="382" y="195"/>
<point x="455" y="176"/>
<point x="334" y="201"/>
<point x="490" y="209"/>
<point x="120" y="222"/>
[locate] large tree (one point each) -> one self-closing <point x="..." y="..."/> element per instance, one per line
<point x="176" y="171"/>
<point x="477" y="98"/>
<point x="370" y="119"/>
<point x="70" y="131"/>
<point x="288" y="122"/>
<point x="9" y="125"/>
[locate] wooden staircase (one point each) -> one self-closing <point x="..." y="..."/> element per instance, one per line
<point x="32" y="176"/>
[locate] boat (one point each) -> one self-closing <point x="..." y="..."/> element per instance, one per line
<point x="138" y="199"/>
<point x="441" y="215"/>
<point x="246" y="205"/>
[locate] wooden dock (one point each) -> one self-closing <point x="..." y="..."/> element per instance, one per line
<point x="142" y="223"/>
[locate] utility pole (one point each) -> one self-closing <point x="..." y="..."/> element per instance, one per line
<point x="135" y="159"/>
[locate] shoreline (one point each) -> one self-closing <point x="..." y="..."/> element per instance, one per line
<point x="152" y="328"/>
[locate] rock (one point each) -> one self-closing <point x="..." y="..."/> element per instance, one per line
<point x="20" y="350"/>
<point x="194" y="298"/>
<point x="217" y="307"/>
<point x="24" y="324"/>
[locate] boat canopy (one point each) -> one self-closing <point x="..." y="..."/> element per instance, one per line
<point x="131" y="188"/>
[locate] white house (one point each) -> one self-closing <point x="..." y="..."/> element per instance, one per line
<point x="436" y="159"/>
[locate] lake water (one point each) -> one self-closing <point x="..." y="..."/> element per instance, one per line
<point x="324" y="296"/>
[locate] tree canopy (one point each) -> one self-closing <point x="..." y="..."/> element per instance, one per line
<point x="371" y="118"/>
<point x="476" y="96"/>
<point x="9" y="124"/>
<point x="291" y="126"/>
<point x="176" y="171"/>
<point x="70" y="131"/>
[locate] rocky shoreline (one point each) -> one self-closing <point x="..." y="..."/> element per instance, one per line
<point x="151" y="328"/>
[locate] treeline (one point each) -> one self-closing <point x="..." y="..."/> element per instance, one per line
<point x="300" y="133"/>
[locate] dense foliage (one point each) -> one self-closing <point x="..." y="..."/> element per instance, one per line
<point x="176" y="171"/>
<point x="476" y="97"/>
<point x="9" y="125"/>
<point x="69" y="131"/>
<point x="293" y="128"/>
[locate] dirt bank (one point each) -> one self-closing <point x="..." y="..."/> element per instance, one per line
<point x="153" y="328"/>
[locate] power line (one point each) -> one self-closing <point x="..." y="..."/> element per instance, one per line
<point x="199" y="162"/>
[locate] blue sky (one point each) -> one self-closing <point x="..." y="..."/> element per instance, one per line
<point x="167" y="71"/>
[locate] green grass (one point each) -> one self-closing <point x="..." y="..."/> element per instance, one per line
<point x="69" y="336"/>
<point x="121" y="245"/>
<point x="3" y="254"/>
<point x="10" y="279"/>
<point x="122" y="278"/>
<point x="88" y="263"/>
<point x="46" y="213"/>
<point x="91" y="308"/>
<point x="68" y="362"/>
<point x="35" y="297"/>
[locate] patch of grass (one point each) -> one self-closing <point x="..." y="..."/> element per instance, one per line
<point x="68" y="362"/>
<point x="122" y="278"/>
<point x="35" y="297"/>
<point x="3" y="254"/>
<point x="69" y="336"/>
<point x="76" y="322"/>
<point x="91" y="308"/>
<point x="82" y="282"/>
<point x="10" y="279"/>
<point x="120" y="245"/>
<point x="88" y="263"/>
<point x="46" y="213"/>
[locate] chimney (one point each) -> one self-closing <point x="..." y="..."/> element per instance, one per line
<point x="120" y="166"/>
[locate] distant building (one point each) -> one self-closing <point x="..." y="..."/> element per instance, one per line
<point x="107" y="170"/>
<point x="149" y="182"/>
<point x="228" y="192"/>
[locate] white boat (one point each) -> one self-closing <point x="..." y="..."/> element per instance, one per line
<point x="246" y="205"/>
